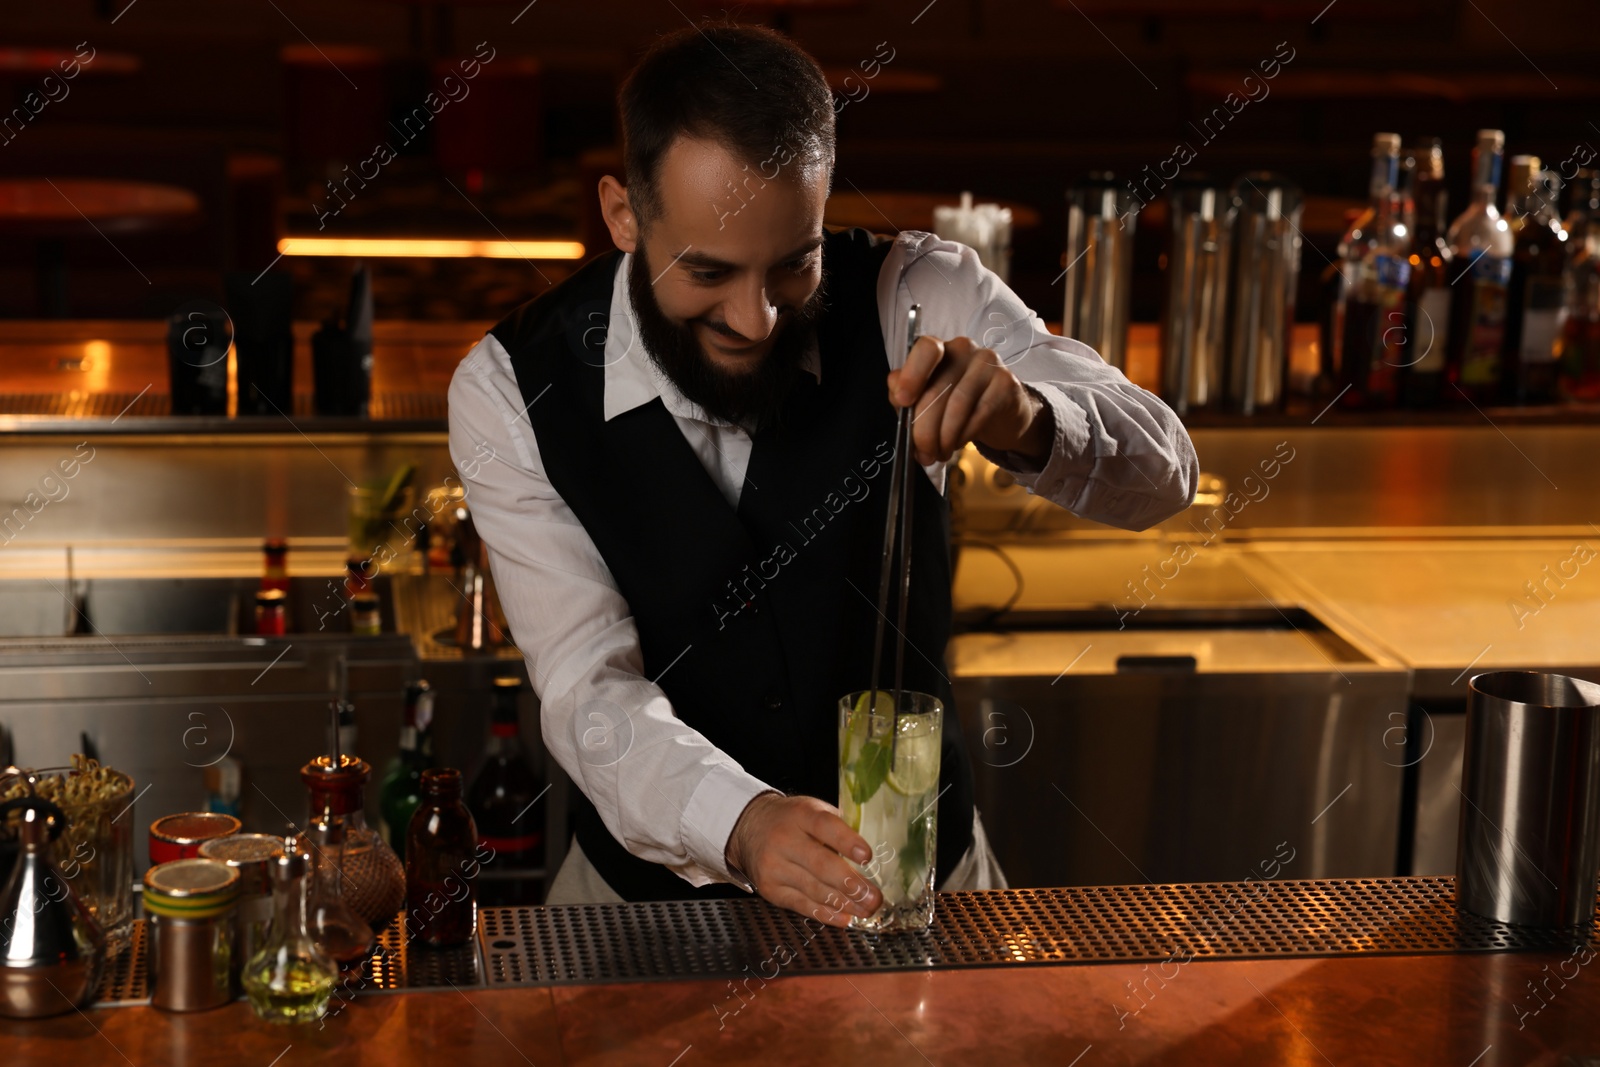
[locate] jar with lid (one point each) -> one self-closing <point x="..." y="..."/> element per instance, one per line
<point x="191" y="906"/>
<point x="289" y="978"/>
<point x="251" y="855"/>
<point x="441" y="868"/>
<point x="179" y="837"/>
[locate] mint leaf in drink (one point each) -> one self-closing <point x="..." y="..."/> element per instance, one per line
<point x="872" y="767"/>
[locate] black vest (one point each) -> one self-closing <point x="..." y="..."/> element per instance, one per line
<point x="775" y="602"/>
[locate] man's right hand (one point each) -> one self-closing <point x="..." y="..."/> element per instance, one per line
<point x="792" y="849"/>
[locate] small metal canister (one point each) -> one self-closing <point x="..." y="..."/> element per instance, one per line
<point x="250" y="855"/>
<point x="191" y="904"/>
<point x="177" y="837"/>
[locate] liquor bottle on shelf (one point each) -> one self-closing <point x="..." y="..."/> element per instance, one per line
<point x="1535" y="300"/>
<point x="275" y="564"/>
<point x="401" y="790"/>
<point x="1369" y="319"/>
<point x="507" y="802"/>
<point x="441" y="864"/>
<point x="1580" y="355"/>
<point x="272" y="612"/>
<point x="1428" y="298"/>
<point x="1480" y="242"/>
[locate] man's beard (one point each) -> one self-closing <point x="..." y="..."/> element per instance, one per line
<point x="752" y="398"/>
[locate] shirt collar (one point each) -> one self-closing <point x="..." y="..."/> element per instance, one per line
<point x="632" y="377"/>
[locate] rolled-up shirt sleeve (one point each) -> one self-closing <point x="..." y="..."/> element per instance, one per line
<point x="1120" y="456"/>
<point x="663" y="790"/>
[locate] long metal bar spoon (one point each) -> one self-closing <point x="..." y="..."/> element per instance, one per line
<point x="900" y="486"/>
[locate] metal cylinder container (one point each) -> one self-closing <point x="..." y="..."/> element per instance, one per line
<point x="1529" y="846"/>
<point x="250" y="855"/>
<point x="176" y="837"/>
<point x="191" y="905"/>
<point x="1098" y="264"/>
<point x="1266" y="274"/>
<point x="1195" y="311"/>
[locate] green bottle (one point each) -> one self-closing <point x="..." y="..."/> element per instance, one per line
<point x="401" y="789"/>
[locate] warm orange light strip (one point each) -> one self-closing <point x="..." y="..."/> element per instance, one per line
<point x="400" y="247"/>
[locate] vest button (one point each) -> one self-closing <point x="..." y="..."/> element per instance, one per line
<point x="774" y="702"/>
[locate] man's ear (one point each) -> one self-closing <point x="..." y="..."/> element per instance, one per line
<point x="618" y="213"/>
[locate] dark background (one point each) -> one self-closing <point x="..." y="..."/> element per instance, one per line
<point x="234" y="102"/>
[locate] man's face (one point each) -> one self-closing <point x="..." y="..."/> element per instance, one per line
<point x="727" y="280"/>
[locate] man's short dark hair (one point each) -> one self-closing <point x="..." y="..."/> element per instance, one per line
<point x="749" y="89"/>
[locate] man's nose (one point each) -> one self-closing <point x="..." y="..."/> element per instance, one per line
<point x="751" y="314"/>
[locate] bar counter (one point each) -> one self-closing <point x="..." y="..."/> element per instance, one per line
<point x="1465" y="1008"/>
<point x="1458" y="1010"/>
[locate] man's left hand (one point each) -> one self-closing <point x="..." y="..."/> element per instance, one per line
<point x="965" y="393"/>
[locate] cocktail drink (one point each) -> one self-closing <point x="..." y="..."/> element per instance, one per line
<point x="889" y="794"/>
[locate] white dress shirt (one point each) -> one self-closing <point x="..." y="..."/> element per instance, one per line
<point x="669" y="795"/>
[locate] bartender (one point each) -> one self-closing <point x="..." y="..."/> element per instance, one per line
<point x="679" y="461"/>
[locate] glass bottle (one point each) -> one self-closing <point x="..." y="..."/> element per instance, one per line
<point x="1536" y="298"/>
<point x="1428" y="298"/>
<point x="506" y="800"/>
<point x="1369" y="318"/>
<point x="374" y="879"/>
<point x="366" y="614"/>
<point x="275" y="564"/>
<point x="272" y="616"/>
<point x="289" y="979"/>
<point x="343" y="934"/>
<point x="1480" y="242"/>
<point x="401" y="790"/>
<point x="1580" y="355"/>
<point x="441" y="868"/>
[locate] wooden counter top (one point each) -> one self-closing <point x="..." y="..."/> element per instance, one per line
<point x="1460" y="1010"/>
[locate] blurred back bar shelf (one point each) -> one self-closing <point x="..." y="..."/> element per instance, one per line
<point x="60" y="376"/>
<point x="110" y="376"/>
<point x="1290" y="655"/>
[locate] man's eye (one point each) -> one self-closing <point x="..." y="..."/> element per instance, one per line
<point x="707" y="275"/>
<point x="801" y="265"/>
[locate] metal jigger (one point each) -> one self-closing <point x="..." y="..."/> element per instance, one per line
<point x="51" y="948"/>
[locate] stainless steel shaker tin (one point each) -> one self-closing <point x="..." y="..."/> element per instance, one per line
<point x="1529" y="846"/>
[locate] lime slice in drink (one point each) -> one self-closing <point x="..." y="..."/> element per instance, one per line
<point x="883" y="705"/>
<point x="916" y="765"/>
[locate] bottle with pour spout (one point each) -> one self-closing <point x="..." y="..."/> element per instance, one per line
<point x="290" y="978"/>
<point x="373" y="879"/>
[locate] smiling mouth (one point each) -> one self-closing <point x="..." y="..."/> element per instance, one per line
<point x="716" y="341"/>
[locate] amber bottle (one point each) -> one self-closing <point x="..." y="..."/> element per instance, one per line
<point x="441" y="864"/>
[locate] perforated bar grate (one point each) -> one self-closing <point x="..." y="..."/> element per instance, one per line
<point x="394" y="965"/>
<point x="1094" y="924"/>
<point x="126" y="978"/>
<point x="593" y="943"/>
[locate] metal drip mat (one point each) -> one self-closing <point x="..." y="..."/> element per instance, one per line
<point x="126" y="979"/>
<point x="394" y="966"/>
<point x="593" y="943"/>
